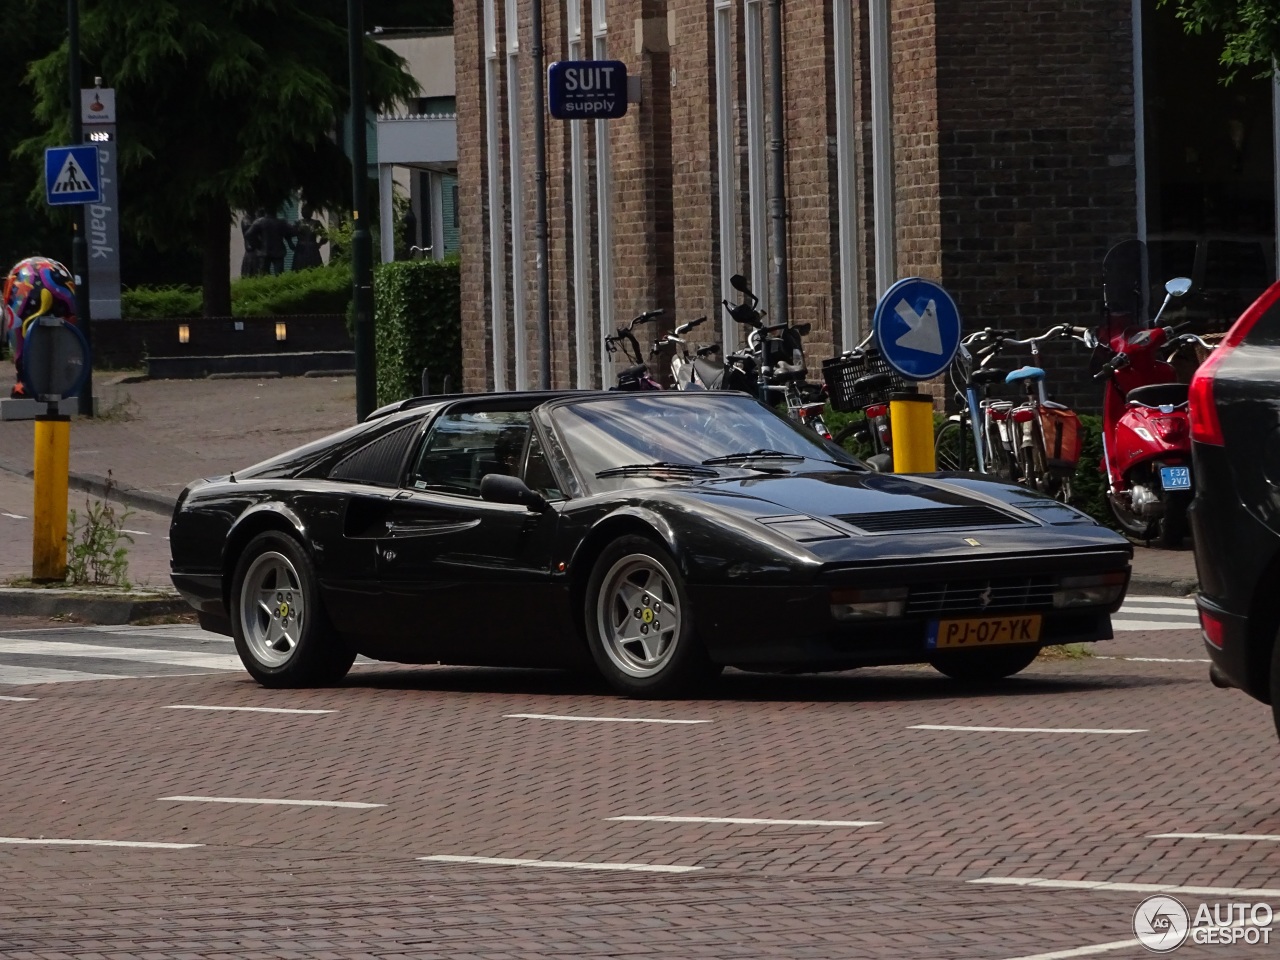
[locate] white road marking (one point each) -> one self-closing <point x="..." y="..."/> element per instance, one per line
<point x="193" y="706"/>
<point x="1157" y="613"/>
<point x="345" y="804"/>
<point x="136" y="533"/>
<point x="1157" y="659"/>
<point x="1125" y="887"/>
<point x="146" y="845"/>
<point x="1131" y="625"/>
<point x="552" y="716"/>
<point x="932" y="726"/>
<point x="562" y="864"/>
<point x="1158" y="601"/>
<point x="54" y="648"/>
<point x="1215" y="836"/>
<point x="15" y="516"/>
<point x="19" y="676"/>
<point x="754" y="820"/>
<point x="1082" y="951"/>
<point x="19" y="699"/>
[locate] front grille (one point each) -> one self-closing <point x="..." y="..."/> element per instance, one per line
<point x="981" y="596"/>
<point x="938" y="518"/>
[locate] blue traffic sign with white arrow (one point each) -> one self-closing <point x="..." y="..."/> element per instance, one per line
<point x="71" y="175"/>
<point x="917" y="327"/>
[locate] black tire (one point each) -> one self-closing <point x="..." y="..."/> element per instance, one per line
<point x="953" y="447"/>
<point x="635" y="654"/>
<point x="1172" y="526"/>
<point x="306" y="653"/>
<point x="983" y="666"/>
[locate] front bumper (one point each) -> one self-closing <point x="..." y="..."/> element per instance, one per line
<point x="793" y="627"/>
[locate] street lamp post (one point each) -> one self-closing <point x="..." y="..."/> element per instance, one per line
<point x="79" y="248"/>
<point x="361" y="241"/>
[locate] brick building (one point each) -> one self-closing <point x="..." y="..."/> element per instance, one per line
<point x="1009" y="159"/>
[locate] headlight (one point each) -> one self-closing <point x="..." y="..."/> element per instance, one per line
<point x="868" y="604"/>
<point x="803" y="529"/>
<point x="1099" y="590"/>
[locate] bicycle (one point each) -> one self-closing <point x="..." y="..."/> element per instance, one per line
<point x="636" y="376"/>
<point x="1035" y="443"/>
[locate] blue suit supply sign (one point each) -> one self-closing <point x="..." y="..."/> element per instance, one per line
<point x="71" y="175"/>
<point x="587" y="89"/>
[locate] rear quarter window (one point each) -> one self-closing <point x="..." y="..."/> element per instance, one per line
<point x="379" y="462"/>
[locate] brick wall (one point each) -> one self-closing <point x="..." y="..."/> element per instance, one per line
<point x="1013" y="150"/>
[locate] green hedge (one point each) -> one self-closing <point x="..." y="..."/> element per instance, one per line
<point x="418" y="311"/>
<point x="318" y="290"/>
<point x="1088" y="486"/>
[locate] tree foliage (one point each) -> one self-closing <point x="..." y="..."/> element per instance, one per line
<point x="222" y="104"/>
<point x="1249" y="30"/>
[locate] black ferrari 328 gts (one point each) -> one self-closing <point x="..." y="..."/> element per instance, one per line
<point x="660" y="536"/>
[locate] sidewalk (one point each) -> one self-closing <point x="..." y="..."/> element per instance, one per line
<point x="154" y="437"/>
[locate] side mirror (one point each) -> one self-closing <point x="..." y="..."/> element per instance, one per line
<point x="739" y="283"/>
<point x="1178" y="287"/>
<point x="500" y="488"/>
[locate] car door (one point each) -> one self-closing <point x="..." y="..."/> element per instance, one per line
<point x="465" y="580"/>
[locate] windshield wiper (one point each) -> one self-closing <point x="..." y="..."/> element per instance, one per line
<point x="662" y="470"/>
<point x="752" y="455"/>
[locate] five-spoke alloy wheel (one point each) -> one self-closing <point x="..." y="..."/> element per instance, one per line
<point x="638" y="621"/>
<point x="280" y="628"/>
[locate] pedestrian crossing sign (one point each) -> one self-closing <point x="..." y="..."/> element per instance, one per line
<point x="71" y="175"/>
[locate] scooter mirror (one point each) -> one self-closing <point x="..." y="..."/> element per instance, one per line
<point x="739" y="283"/>
<point x="1178" y="287"/>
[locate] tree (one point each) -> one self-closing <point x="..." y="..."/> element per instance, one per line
<point x="1250" y="31"/>
<point x="223" y="104"/>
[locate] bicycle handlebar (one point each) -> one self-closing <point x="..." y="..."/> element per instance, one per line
<point x="686" y="327"/>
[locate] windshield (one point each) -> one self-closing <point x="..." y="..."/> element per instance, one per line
<point x="604" y="434"/>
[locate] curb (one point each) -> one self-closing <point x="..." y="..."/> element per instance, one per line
<point x="97" y="486"/>
<point x="1162" y="586"/>
<point x="110" y="610"/>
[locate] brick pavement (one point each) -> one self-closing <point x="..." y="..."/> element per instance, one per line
<point x="458" y="777"/>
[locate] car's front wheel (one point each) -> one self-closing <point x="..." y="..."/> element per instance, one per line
<point x="639" y="622"/>
<point x="983" y="666"/>
<point x="281" y="631"/>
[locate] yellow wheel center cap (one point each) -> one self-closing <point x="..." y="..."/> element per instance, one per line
<point x="283" y="610"/>
<point x="647" y="616"/>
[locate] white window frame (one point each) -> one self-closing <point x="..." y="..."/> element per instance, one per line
<point x="758" y="199"/>
<point x="846" y="176"/>
<point x="497" y="223"/>
<point x="520" y="332"/>
<point x="581" y="230"/>
<point x="604" y="196"/>
<point x="726" y="164"/>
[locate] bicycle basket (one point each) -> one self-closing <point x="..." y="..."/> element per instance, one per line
<point x="841" y="373"/>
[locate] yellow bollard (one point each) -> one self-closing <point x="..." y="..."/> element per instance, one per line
<point x="49" y="533"/>
<point x="911" y="427"/>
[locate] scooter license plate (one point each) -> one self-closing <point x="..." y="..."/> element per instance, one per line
<point x="1175" y="478"/>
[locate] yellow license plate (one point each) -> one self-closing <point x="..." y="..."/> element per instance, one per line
<point x="983" y="632"/>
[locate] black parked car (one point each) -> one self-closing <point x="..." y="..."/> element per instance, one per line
<point x="1235" y="517"/>
<point x="659" y="536"/>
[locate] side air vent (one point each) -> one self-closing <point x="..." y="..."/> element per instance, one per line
<point x="379" y="462"/>
<point x="939" y="518"/>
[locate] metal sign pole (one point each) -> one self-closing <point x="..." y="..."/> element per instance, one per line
<point x="540" y="201"/>
<point x="79" y="249"/>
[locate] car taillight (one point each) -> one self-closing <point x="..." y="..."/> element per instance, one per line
<point x="876" y="410"/>
<point x="1205" y="425"/>
<point x="1212" y="627"/>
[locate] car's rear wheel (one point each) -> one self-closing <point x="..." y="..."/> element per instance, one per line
<point x="639" y="622"/>
<point x="278" y="621"/>
<point x="983" y="666"/>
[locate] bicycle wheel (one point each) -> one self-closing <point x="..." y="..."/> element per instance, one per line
<point x="953" y="447"/>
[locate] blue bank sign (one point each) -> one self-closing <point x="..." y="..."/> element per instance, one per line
<point x="587" y="89"/>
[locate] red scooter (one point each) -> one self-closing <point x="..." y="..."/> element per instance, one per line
<point x="1146" y="436"/>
